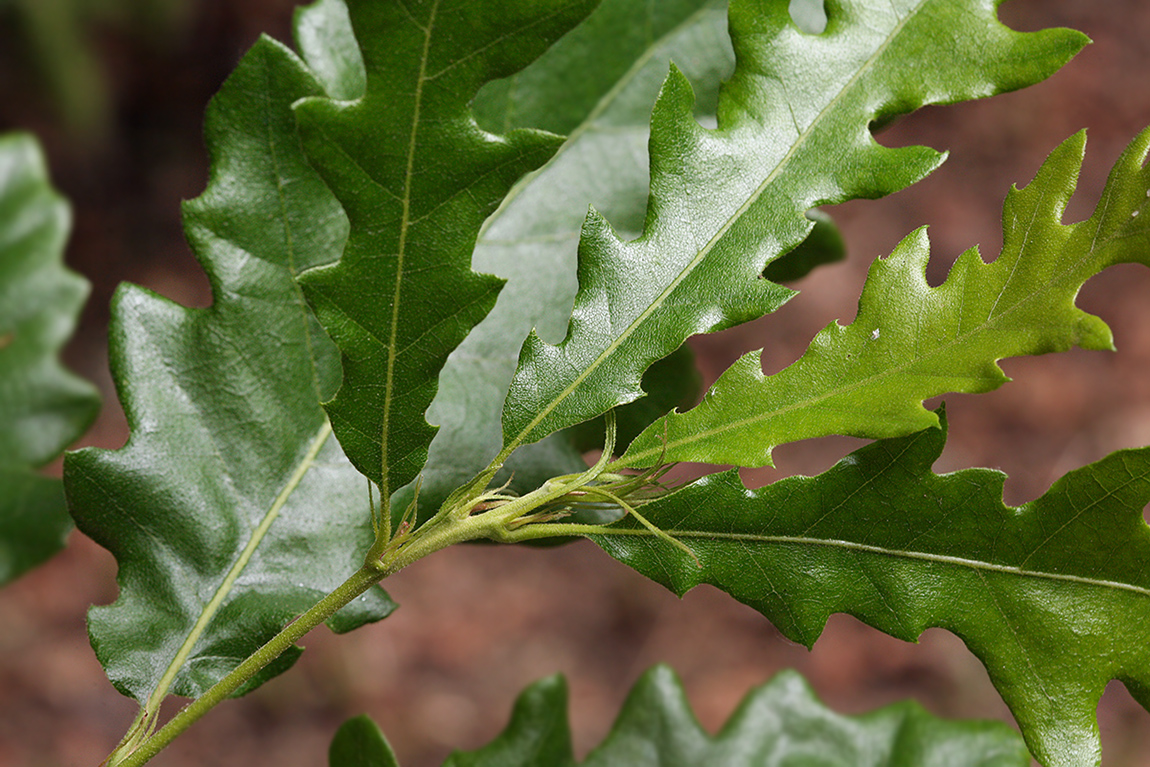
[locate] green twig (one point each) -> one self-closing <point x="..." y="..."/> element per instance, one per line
<point x="357" y="584"/>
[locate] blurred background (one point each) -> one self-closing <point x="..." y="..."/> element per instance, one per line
<point x="115" y="89"/>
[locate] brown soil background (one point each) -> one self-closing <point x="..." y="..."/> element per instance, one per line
<point x="480" y="623"/>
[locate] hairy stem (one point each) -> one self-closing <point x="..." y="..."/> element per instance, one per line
<point x="359" y="582"/>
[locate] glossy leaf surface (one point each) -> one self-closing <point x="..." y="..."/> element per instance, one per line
<point x="793" y="133"/>
<point x="417" y="178"/>
<point x="43" y="407"/>
<point x="780" y="723"/>
<point x="910" y="341"/>
<point x="1053" y="597"/>
<point x="621" y="53"/>
<point x="230" y="510"/>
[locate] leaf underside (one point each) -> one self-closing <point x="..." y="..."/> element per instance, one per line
<point x="621" y="53"/>
<point x="792" y="134"/>
<point x="43" y="407"/>
<point x="417" y="178"/>
<point x="230" y="510"/>
<point x="910" y="342"/>
<point x="1053" y="597"/>
<point x="779" y="723"/>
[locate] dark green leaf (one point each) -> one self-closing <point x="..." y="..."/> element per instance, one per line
<point x="417" y="177"/>
<point x="910" y="341"/>
<point x="792" y="134"/>
<point x="230" y="510"/>
<point x="360" y="743"/>
<point x="43" y="407"/>
<point x="783" y="724"/>
<point x="780" y="724"/>
<point x="537" y="735"/>
<point x="34" y="522"/>
<point x="1053" y="597"/>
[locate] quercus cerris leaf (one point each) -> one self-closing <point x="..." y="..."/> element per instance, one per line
<point x="417" y="178"/>
<point x="1053" y="597"/>
<point x="621" y="53"/>
<point x="231" y="510"/>
<point x="779" y="723"/>
<point x="792" y="133"/>
<point x="910" y="342"/>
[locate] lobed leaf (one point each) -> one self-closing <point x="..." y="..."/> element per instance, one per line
<point x="910" y="341"/>
<point x="230" y="510"/>
<point x="417" y="178"/>
<point x="621" y="53"/>
<point x="792" y="134"/>
<point x="43" y="407"/>
<point x="779" y="723"/>
<point x="1053" y="597"/>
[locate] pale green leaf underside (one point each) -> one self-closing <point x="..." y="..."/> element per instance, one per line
<point x="1053" y="597"/>
<point x="621" y="52"/>
<point x="793" y="133"/>
<point x="230" y="510"/>
<point x="910" y="342"/>
<point x="780" y="724"/>
<point x="327" y="44"/>
<point x="43" y="407"/>
<point x="417" y="178"/>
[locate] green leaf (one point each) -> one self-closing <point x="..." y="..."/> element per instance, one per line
<point x="1053" y="597"/>
<point x="43" y="407"/>
<point x="360" y="743"/>
<point x="537" y="735"/>
<point x="230" y="510"/>
<point x="779" y="723"/>
<point x="417" y="178"/>
<point x="327" y="43"/>
<point x="622" y="51"/>
<point x="910" y="341"/>
<point x="782" y="723"/>
<point x="792" y="134"/>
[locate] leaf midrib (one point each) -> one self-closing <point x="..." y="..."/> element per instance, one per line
<point x="160" y="692"/>
<point x="947" y="559"/>
<point x="658" y="301"/>
<point x="225" y="588"/>
<point x="405" y="223"/>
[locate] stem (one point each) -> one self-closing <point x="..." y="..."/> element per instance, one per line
<point x="455" y="523"/>
<point x="543" y="530"/>
<point x="359" y="582"/>
<point x="428" y="539"/>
